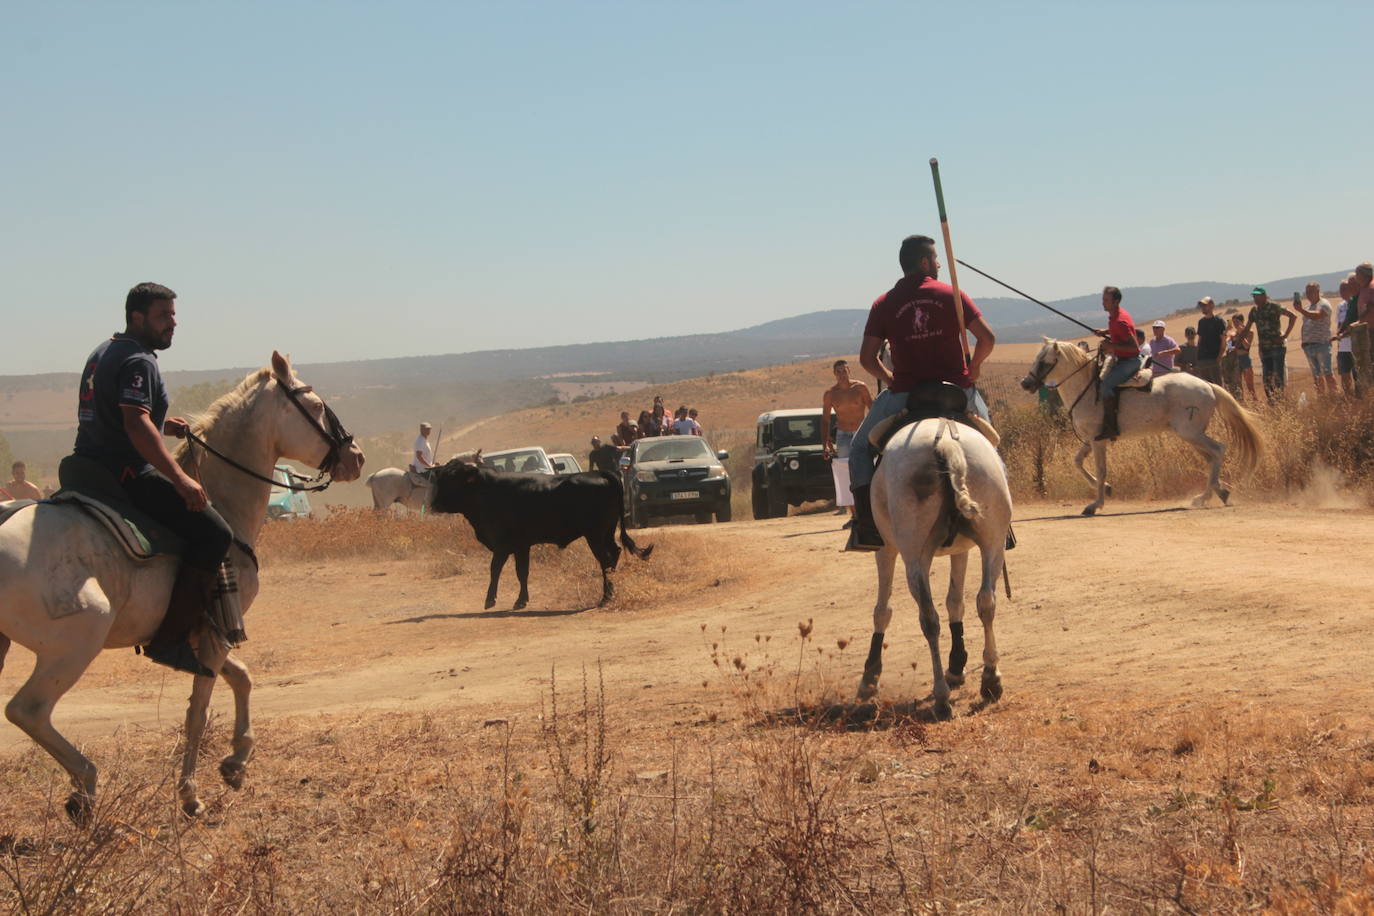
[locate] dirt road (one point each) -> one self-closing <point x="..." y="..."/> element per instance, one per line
<point x="1253" y="604"/>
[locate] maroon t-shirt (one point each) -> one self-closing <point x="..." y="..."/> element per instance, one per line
<point x="917" y="319"/>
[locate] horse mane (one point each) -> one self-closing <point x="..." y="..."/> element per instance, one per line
<point x="1070" y="351"/>
<point x="224" y="408"/>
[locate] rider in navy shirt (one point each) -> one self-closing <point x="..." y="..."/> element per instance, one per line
<point x="121" y="418"/>
<point x="122" y="372"/>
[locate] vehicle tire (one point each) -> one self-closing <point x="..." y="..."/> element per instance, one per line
<point x="703" y="518"/>
<point x="723" y="511"/>
<point x="777" y="501"/>
<point x="758" y="497"/>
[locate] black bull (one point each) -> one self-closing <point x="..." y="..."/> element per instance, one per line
<point x="510" y="512"/>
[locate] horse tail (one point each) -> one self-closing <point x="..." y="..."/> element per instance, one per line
<point x="1246" y="439"/>
<point x="4" y="649"/>
<point x="953" y="466"/>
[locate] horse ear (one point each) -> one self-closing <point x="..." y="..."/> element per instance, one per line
<point x="281" y="367"/>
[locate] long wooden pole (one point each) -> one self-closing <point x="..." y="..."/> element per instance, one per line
<point x="949" y="257"/>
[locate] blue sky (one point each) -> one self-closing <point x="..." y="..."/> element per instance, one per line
<point x="345" y="180"/>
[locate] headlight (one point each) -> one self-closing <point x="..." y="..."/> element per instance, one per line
<point x="645" y="476"/>
<point x="715" y="472"/>
<point x="794" y="464"/>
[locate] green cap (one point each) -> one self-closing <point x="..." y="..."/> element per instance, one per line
<point x="1259" y="291"/>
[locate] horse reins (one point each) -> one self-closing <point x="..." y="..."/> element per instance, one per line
<point x="335" y="436"/>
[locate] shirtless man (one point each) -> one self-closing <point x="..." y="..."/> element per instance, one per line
<point x="20" y="487"/>
<point x="850" y="400"/>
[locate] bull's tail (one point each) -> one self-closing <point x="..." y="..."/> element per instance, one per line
<point x="1246" y="440"/>
<point x="954" y="468"/>
<point x="629" y="543"/>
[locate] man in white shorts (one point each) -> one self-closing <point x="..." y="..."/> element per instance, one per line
<point x="850" y="400"/>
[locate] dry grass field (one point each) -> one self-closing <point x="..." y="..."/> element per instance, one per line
<point x="1185" y="729"/>
<point x="1186" y="725"/>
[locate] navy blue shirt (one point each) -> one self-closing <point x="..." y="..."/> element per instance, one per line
<point x="121" y="371"/>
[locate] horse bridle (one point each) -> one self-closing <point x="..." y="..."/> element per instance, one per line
<point x="1039" y="377"/>
<point x="331" y="431"/>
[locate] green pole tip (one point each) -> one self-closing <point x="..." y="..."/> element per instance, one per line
<point x="934" y="161"/>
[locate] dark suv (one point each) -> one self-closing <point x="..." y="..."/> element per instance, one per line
<point x="789" y="468"/>
<point x="675" y="475"/>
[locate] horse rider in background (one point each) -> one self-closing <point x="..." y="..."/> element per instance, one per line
<point x="1122" y="344"/>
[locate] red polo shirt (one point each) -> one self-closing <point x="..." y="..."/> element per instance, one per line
<point x="1121" y="334"/>
<point x="917" y="319"/>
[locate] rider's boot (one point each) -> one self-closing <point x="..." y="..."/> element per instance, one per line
<point x="864" y="534"/>
<point x="1109" y="429"/>
<point x="171" y="644"/>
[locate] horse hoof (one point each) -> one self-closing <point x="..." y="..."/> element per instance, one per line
<point x="79" y="807"/>
<point x="520" y="605"/>
<point x="193" y="807"/>
<point x="1090" y="511"/>
<point x="991" y="689"/>
<point x="943" y="711"/>
<point x="954" y="680"/>
<point x="490" y="603"/>
<point x="232" y="772"/>
<point x="1225" y="497"/>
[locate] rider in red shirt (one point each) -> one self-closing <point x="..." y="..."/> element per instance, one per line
<point x="918" y="322"/>
<point x="1121" y="343"/>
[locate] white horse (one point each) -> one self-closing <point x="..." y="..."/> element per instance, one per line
<point x="68" y="590"/>
<point x="1176" y="401"/>
<point x="928" y="483"/>
<point x="393" y="485"/>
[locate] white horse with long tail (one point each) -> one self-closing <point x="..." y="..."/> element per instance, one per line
<point x="940" y="490"/>
<point x="68" y="590"/>
<point x="1177" y="402"/>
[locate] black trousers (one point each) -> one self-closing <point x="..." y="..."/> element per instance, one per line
<point x="206" y="533"/>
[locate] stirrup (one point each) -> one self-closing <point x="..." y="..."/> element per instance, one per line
<point x="860" y="544"/>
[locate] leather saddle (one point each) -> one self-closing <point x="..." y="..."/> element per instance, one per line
<point x="928" y="400"/>
<point x="89" y="486"/>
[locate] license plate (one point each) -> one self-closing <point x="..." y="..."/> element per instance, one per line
<point x="687" y="494"/>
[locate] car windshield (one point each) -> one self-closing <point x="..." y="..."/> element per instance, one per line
<point x="797" y="431"/>
<point x="527" y="460"/>
<point x="673" y="449"/>
<point x="280" y="480"/>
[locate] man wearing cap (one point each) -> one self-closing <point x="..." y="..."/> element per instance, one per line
<point x="1264" y="317"/>
<point x="1211" y="338"/>
<point x="1122" y="344"/>
<point x="423" y="458"/>
<point x="918" y="319"/>
<point x="1163" y="349"/>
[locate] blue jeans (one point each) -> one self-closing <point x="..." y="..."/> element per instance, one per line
<point x="1272" y="365"/>
<point x="1318" y="357"/>
<point x="1126" y="366"/>
<point x="884" y="406"/>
